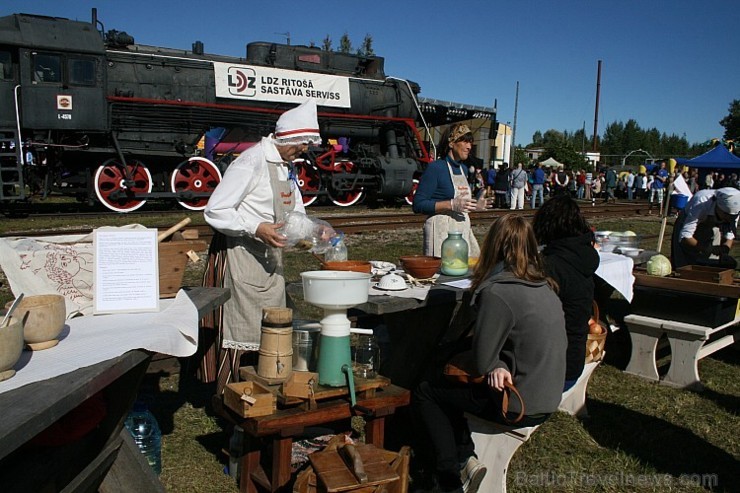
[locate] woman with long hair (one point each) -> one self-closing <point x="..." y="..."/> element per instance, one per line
<point x="519" y="339"/>
<point x="570" y="259"/>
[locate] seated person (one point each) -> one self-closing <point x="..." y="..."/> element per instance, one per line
<point x="571" y="260"/>
<point x="519" y="339"/>
<point x="705" y="229"/>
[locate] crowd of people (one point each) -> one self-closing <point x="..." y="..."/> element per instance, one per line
<point x="518" y="184"/>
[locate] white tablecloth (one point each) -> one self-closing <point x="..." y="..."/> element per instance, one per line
<point x="617" y="271"/>
<point x="88" y="340"/>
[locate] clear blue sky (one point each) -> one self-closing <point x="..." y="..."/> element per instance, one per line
<point x="668" y="64"/>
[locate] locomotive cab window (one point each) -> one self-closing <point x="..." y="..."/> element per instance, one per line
<point x="6" y="66"/>
<point x="47" y="68"/>
<point x="81" y="72"/>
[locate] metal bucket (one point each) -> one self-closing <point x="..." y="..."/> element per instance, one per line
<point x="306" y="335"/>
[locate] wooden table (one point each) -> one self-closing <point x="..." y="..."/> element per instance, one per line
<point x="280" y="428"/>
<point x="107" y="458"/>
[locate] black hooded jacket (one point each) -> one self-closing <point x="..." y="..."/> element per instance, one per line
<point x="571" y="262"/>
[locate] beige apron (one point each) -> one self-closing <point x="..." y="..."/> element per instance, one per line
<point x="437" y="227"/>
<point x="254" y="273"/>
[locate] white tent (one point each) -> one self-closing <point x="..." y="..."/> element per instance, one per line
<point x="551" y="163"/>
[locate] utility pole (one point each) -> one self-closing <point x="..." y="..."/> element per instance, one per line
<point x="596" y="111"/>
<point x="513" y="128"/>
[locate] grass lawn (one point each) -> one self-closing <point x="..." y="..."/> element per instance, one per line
<point x="639" y="437"/>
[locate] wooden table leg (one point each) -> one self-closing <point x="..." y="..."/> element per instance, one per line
<point x="281" y="456"/>
<point x="250" y="466"/>
<point x="375" y="431"/>
<point x="644" y="343"/>
<point x="684" y="369"/>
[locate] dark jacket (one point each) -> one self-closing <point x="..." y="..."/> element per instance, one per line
<point x="502" y="180"/>
<point x="572" y="263"/>
<point x="520" y="327"/>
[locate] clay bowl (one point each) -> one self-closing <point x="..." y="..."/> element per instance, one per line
<point x="11" y="346"/>
<point x="420" y="266"/>
<point x="348" y="265"/>
<point x="43" y="318"/>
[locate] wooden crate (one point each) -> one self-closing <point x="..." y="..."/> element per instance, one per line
<point x="173" y="257"/>
<point x="264" y="401"/>
<point x="704" y="273"/>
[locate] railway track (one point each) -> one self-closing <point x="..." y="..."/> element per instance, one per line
<point x="368" y="221"/>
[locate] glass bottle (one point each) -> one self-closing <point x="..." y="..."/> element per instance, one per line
<point x="365" y="357"/>
<point x="338" y="250"/>
<point x="143" y="426"/>
<point x="454" y="255"/>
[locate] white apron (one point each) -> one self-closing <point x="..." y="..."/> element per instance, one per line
<point x="437" y="227"/>
<point x="254" y="273"/>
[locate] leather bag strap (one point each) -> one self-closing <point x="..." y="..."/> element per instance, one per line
<point x="508" y="390"/>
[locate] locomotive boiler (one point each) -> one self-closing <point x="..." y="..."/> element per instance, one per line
<point x="92" y="114"/>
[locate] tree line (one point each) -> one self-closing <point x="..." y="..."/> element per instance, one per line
<point x="620" y="138"/>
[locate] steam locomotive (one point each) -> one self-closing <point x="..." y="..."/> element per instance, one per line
<point x="92" y="114"/>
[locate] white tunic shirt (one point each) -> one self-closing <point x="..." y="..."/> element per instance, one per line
<point x="701" y="208"/>
<point x="244" y="198"/>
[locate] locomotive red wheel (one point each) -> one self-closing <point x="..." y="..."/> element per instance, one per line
<point x="198" y="175"/>
<point x="346" y="198"/>
<point x="111" y="184"/>
<point x="309" y="180"/>
<point x="410" y="197"/>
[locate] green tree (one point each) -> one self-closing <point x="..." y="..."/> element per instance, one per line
<point x="537" y="139"/>
<point x="367" y="46"/>
<point x="326" y="43"/>
<point x="345" y="44"/>
<point x="732" y="122"/>
<point x="552" y="138"/>
<point x="520" y="156"/>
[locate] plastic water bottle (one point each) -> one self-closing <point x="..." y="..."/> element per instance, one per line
<point x="143" y="426"/>
<point x="236" y="450"/>
<point x="338" y="250"/>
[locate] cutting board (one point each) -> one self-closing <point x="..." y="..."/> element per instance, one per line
<point x="336" y="475"/>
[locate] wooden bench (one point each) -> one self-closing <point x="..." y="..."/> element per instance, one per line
<point x="495" y="444"/>
<point x="573" y="401"/>
<point x="689" y="343"/>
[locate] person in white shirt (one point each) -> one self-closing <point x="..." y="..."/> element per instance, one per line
<point x="248" y="208"/>
<point x="705" y="230"/>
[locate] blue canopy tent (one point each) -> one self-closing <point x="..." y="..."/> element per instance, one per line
<point x="717" y="158"/>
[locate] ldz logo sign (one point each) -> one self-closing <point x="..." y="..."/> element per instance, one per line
<point x="242" y="81"/>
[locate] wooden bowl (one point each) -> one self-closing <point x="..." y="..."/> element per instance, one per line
<point x="43" y="317"/>
<point x="348" y="265"/>
<point x="11" y="346"/>
<point x="420" y="266"/>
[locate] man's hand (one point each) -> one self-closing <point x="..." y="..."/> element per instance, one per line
<point x="498" y="377"/>
<point x="268" y="233"/>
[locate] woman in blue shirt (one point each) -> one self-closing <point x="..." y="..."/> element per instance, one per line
<point x="444" y="194"/>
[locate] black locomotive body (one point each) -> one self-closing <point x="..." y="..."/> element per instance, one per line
<point x="98" y="116"/>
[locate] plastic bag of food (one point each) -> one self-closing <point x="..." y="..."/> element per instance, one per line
<point x="307" y="233"/>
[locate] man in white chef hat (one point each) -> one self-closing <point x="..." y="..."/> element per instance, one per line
<point x="705" y="230"/>
<point x="248" y="208"/>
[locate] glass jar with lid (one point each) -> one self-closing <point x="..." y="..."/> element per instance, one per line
<point x="454" y="254"/>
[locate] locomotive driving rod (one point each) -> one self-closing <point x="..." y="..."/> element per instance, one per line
<point x="129" y="179"/>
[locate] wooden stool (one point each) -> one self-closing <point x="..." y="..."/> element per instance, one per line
<point x="573" y="401"/>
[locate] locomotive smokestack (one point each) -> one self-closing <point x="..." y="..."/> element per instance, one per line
<point x="198" y="48"/>
<point x="94" y="17"/>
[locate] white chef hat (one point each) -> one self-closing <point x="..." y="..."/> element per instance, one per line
<point x="299" y="125"/>
<point x="728" y="200"/>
